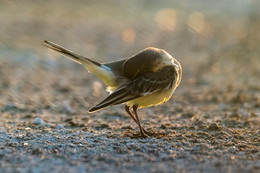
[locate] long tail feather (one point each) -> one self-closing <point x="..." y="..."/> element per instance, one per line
<point x="100" y="70"/>
<point x="69" y="54"/>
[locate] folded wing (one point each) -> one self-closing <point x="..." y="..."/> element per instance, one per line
<point x="146" y="84"/>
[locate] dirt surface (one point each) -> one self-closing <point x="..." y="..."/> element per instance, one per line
<point x="212" y="121"/>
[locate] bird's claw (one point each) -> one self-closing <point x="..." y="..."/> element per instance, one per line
<point x="135" y="135"/>
<point x="154" y="134"/>
<point x="144" y="134"/>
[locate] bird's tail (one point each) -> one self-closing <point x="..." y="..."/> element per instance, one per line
<point x="69" y="54"/>
<point x="101" y="71"/>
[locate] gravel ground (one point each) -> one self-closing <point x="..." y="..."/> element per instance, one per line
<point x="47" y="128"/>
<point x="212" y="121"/>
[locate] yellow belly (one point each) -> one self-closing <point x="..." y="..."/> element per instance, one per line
<point x="152" y="99"/>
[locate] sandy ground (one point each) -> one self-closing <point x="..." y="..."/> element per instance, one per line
<point x="46" y="128"/>
<point x="212" y="121"/>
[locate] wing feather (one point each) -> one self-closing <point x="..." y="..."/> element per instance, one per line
<point x="146" y="84"/>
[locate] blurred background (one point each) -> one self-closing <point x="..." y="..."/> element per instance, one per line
<point x="212" y="120"/>
<point x="217" y="43"/>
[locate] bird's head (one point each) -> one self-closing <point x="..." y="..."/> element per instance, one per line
<point x="150" y="60"/>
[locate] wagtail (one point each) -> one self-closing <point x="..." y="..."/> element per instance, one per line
<point x="146" y="79"/>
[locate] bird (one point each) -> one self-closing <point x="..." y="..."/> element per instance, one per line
<point x="148" y="78"/>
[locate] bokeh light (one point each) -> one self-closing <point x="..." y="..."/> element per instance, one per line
<point x="196" y="21"/>
<point x="166" y="19"/>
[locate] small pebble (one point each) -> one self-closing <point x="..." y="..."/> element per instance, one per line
<point x="59" y="126"/>
<point x="232" y="157"/>
<point x="232" y="149"/>
<point x="102" y="126"/>
<point x="38" y="121"/>
<point x="36" y="151"/>
<point x="187" y="115"/>
<point x="214" y="127"/>
<point x="10" y="106"/>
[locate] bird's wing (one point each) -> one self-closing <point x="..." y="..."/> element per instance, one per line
<point x="141" y="86"/>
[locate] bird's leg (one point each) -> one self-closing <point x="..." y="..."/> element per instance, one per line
<point x="142" y="133"/>
<point x="146" y="133"/>
<point x="129" y="113"/>
<point x="135" y="135"/>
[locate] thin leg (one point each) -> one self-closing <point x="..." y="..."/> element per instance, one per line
<point x="129" y="113"/>
<point x="143" y="132"/>
<point x="138" y="122"/>
<point x="133" y="135"/>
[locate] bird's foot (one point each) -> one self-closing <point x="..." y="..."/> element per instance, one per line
<point x="135" y="135"/>
<point x="144" y="134"/>
<point x="154" y="134"/>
